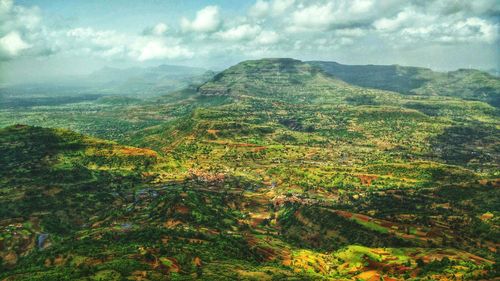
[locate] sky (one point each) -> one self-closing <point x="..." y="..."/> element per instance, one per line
<point x="44" y="39"/>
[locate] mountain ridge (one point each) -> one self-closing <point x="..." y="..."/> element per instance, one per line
<point x="419" y="80"/>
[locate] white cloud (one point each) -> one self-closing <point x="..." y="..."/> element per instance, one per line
<point x="5" y="6"/>
<point x="402" y="19"/>
<point x="267" y="38"/>
<point x="362" y="6"/>
<point x="12" y="43"/>
<point x="113" y="44"/>
<point x="160" y="29"/>
<point x="17" y="23"/>
<point x="101" y="43"/>
<point x="478" y="29"/>
<point x="414" y="25"/>
<point x="206" y="20"/>
<point x="468" y="30"/>
<point x="313" y="17"/>
<point x="150" y="49"/>
<point x="274" y="8"/>
<point x="157" y="30"/>
<point x="260" y="8"/>
<point x="238" y="33"/>
<point x="314" y="27"/>
<point x="280" y="6"/>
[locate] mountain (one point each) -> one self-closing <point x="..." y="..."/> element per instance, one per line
<point x="464" y="83"/>
<point x="273" y="79"/>
<point x="273" y="169"/>
<point x="54" y="180"/>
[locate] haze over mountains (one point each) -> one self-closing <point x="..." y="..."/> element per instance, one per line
<point x="153" y="81"/>
<point x="135" y="82"/>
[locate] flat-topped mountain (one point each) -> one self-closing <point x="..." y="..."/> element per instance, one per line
<point x="271" y="78"/>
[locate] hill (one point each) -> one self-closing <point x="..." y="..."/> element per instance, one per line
<point x="464" y="83"/>
<point x="272" y="169"/>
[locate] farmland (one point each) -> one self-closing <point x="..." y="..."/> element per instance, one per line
<point x="273" y="169"/>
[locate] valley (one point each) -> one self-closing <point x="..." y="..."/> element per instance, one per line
<point x="273" y="169"/>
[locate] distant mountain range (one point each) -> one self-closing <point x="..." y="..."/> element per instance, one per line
<point x="135" y="82"/>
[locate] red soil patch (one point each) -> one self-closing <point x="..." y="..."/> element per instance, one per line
<point x="213" y="132"/>
<point x="362" y="217"/>
<point x="344" y="214"/>
<point x="287" y="258"/>
<point x="386" y="224"/>
<point x="259" y="149"/>
<point x="182" y="209"/>
<point x="479" y="260"/>
<point x="171" y="223"/>
<point x="487" y="216"/>
<point x="256" y="221"/>
<point x="380" y="266"/>
<point x="267" y="253"/>
<point x="197" y="261"/>
<point x="367" y="179"/>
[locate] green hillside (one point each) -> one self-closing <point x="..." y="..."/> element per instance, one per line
<point x="464" y="83"/>
<point x="274" y="169"/>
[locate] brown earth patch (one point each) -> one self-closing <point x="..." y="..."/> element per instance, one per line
<point x="181" y="209"/>
<point x="367" y="179"/>
<point x="10" y="258"/>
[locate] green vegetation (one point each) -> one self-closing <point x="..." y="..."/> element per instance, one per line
<point x="272" y="170"/>
<point x="468" y="84"/>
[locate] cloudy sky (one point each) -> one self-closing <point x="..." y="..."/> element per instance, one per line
<point x="47" y="38"/>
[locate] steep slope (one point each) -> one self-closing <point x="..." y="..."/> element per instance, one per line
<point x="276" y="80"/>
<point x="463" y="83"/>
